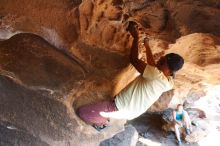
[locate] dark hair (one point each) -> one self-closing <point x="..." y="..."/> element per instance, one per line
<point x="174" y="61"/>
<point x="178" y="105"/>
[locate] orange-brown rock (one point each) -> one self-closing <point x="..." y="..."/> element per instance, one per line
<point x="80" y="54"/>
<point x="38" y="86"/>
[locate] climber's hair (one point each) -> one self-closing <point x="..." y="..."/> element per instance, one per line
<point x="178" y="105"/>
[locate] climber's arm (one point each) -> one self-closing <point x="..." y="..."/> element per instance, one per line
<point x="137" y="63"/>
<point x="149" y="55"/>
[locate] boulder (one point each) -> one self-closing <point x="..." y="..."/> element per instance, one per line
<point x="38" y="83"/>
<point x="77" y="52"/>
<point x="128" y="137"/>
<point x="200" y="126"/>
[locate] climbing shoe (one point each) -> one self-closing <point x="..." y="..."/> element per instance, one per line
<point x="180" y="143"/>
<point x="188" y="132"/>
<point x="99" y="128"/>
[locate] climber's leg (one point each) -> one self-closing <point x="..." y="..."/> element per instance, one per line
<point x="91" y="113"/>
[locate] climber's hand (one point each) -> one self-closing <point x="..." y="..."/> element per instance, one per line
<point x="132" y="27"/>
<point x="146" y="41"/>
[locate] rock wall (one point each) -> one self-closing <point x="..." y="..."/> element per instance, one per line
<point x="37" y="85"/>
<point x="90" y="59"/>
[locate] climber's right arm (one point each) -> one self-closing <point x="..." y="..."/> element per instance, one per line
<point x="137" y="63"/>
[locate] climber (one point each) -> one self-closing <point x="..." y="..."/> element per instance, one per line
<point x="180" y="119"/>
<point x="141" y="93"/>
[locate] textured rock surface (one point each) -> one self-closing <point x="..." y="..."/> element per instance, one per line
<point x="37" y="84"/>
<point x="12" y="136"/>
<point x="41" y="86"/>
<point x="128" y="137"/>
<point x="150" y="128"/>
<point x="199" y="131"/>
